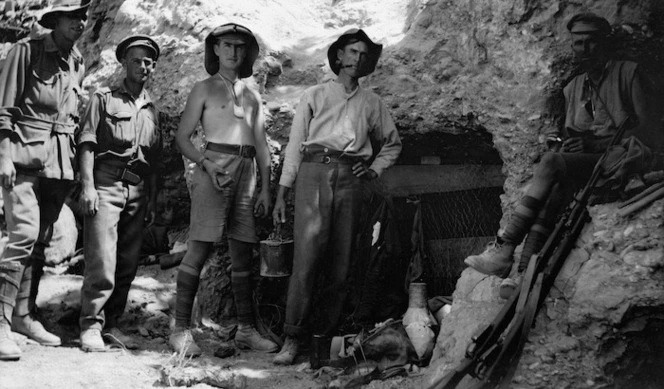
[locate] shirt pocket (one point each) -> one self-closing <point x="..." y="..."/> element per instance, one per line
<point x="120" y="124"/>
<point x="44" y="91"/>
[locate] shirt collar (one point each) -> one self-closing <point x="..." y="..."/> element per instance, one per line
<point x="342" y="89"/>
<point x="50" y="46"/>
<point x="144" y="95"/>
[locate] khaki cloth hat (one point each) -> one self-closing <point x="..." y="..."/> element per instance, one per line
<point x="212" y="60"/>
<point x="49" y="18"/>
<point x="137" y="41"/>
<point x="358" y="35"/>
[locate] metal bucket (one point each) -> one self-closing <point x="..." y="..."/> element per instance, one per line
<point x="276" y="257"/>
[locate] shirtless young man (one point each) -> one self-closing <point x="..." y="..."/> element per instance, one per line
<point x="224" y="188"/>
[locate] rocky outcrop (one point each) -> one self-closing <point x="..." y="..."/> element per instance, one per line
<point x="455" y="67"/>
<point x="605" y="312"/>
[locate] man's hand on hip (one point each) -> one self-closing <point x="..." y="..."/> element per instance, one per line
<point x="361" y="170"/>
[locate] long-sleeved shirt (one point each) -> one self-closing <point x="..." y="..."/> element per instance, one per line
<point x="598" y="110"/>
<point x="327" y="116"/>
<point x="45" y="86"/>
<point x="123" y="129"/>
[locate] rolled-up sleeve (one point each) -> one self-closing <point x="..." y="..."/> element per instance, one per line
<point x="88" y="131"/>
<point x="12" y="82"/>
<point x="293" y="156"/>
<point x="385" y="132"/>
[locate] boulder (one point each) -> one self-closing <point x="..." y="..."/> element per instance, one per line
<point x="604" y="312"/>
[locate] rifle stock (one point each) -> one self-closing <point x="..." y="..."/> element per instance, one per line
<point x="502" y="354"/>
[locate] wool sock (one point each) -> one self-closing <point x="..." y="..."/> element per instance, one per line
<point x="187" y="286"/>
<point x="537" y="236"/>
<point x="242" y="292"/>
<point x="241" y="255"/>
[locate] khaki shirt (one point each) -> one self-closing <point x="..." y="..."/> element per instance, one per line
<point x="329" y="117"/>
<point x="597" y="111"/>
<point x="124" y="129"/>
<point x="46" y="87"/>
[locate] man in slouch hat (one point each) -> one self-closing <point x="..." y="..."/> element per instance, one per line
<point x="40" y="85"/>
<point x="329" y="157"/>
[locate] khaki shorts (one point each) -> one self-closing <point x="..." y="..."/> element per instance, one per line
<point x="213" y="210"/>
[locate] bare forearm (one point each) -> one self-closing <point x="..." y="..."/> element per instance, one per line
<point x="263" y="161"/>
<point x="87" y="162"/>
<point x="4" y="145"/>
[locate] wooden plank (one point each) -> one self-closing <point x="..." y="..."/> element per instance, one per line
<point x="405" y="180"/>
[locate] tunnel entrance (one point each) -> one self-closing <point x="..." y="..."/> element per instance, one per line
<point x="457" y="178"/>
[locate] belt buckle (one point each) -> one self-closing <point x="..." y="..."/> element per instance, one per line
<point x="240" y="150"/>
<point x="327" y="159"/>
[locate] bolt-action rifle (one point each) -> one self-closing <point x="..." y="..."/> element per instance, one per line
<point x="492" y="357"/>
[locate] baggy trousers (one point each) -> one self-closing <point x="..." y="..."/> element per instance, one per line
<point x="112" y="245"/>
<point x="31" y="208"/>
<point x="328" y="198"/>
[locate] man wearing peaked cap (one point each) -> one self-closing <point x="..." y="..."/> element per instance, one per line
<point x="38" y="117"/>
<point x="605" y="94"/>
<point x="224" y="195"/>
<point x="329" y="158"/>
<point x="120" y="158"/>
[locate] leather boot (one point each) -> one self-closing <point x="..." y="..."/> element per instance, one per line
<point x="10" y="279"/>
<point x="33" y="329"/>
<point x="247" y="337"/>
<point x="24" y="320"/>
<point x="496" y="260"/>
<point x="9" y="350"/>
<point x="288" y="352"/>
<point x="182" y="342"/>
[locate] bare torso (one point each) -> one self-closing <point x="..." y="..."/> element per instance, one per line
<point x="220" y="118"/>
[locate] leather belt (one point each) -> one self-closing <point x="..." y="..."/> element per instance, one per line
<point x="120" y="173"/>
<point x="113" y="170"/>
<point x="331" y="158"/>
<point x="245" y="151"/>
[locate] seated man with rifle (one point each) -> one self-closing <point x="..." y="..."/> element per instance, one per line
<point x="604" y="96"/>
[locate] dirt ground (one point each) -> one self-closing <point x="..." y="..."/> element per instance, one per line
<point x="147" y="320"/>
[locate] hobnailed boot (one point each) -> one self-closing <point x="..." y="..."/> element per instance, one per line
<point x="10" y="279"/>
<point x="33" y="329"/>
<point x="25" y="320"/>
<point x="247" y="337"/>
<point x="91" y="340"/>
<point x="288" y="352"/>
<point x="496" y="260"/>
<point x="9" y="350"/>
<point x="509" y="285"/>
<point x="182" y="342"/>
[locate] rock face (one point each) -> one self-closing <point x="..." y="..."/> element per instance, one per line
<point x="455" y="67"/>
<point x="604" y="312"/>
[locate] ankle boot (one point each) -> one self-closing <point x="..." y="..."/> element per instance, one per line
<point x="9" y="350"/>
<point x="496" y="260"/>
<point x="33" y="329"/>
<point x="10" y="279"/>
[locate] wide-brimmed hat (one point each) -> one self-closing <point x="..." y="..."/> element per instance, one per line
<point x="212" y="60"/>
<point x="588" y="23"/>
<point x="137" y="41"/>
<point x="355" y="34"/>
<point x="49" y="18"/>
